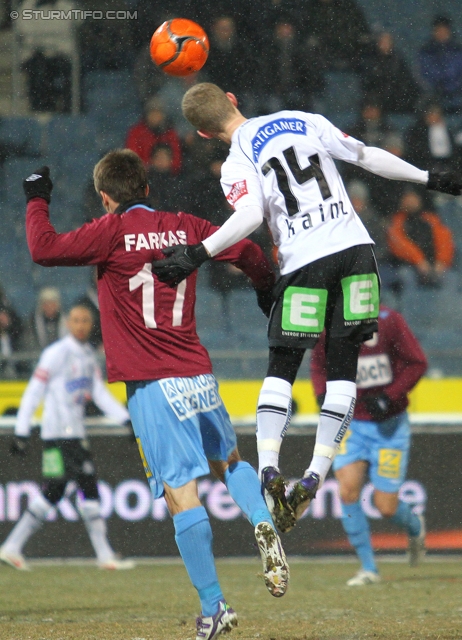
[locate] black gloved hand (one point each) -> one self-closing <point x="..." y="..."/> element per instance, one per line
<point x="446" y="182"/>
<point x="180" y="262"/>
<point x="38" y="185"/>
<point x="378" y="406"/>
<point x="265" y="300"/>
<point x="19" y="446"/>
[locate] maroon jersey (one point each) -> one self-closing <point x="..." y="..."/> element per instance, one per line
<point x="391" y="362"/>
<point x="149" y="329"/>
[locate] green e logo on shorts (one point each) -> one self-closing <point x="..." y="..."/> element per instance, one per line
<point x="304" y="310"/>
<point x="360" y="297"/>
<point x="52" y="463"/>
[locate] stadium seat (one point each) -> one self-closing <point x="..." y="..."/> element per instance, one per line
<point x="15" y="170"/>
<point x="401" y="121"/>
<point x="106" y="92"/>
<point x="342" y="94"/>
<point x="67" y="134"/>
<point x="25" y="133"/>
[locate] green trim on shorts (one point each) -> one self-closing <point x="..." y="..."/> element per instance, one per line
<point x="304" y="309"/>
<point x="53" y="463"/>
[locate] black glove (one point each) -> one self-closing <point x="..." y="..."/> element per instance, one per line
<point x="181" y="261"/>
<point x="378" y="406"/>
<point x="265" y="300"/>
<point x="19" y="446"/>
<point x="38" y="185"/>
<point x="446" y="182"/>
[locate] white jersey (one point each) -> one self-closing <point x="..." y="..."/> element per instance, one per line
<point x="283" y="163"/>
<point x="66" y="376"/>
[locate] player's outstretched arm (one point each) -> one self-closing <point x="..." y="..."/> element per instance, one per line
<point x="387" y="165"/>
<point x="182" y="260"/>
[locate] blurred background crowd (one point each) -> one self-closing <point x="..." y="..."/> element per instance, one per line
<point x="386" y="72"/>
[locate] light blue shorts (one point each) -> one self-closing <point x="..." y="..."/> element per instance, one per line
<point x="179" y="424"/>
<point x="384" y="445"/>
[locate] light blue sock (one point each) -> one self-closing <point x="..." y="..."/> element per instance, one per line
<point x="406" y="519"/>
<point x="245" y="489"/>
<point x="193" y="535"/>
<point x="357" y="529"/>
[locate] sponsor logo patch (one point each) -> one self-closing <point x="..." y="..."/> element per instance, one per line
<point x="276" y="128"/>
<point x="374" y="371"/>
<point x="389" y="463"/>
<point x="189" y="396"/>
<point x="238" y="190"/>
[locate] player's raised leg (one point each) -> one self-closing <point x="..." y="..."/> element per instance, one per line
<point x="273" y="418"/>
<point x="244" y="487"/>
<point x="334" y="419"/>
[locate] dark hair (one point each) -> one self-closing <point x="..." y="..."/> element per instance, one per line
<point x="442" y="20"/>
<point x="122" y="175"/>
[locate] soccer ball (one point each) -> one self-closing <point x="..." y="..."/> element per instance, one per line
<point x="179" y="47"/>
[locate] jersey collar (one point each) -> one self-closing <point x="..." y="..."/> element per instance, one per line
<point x="125" y="206"/>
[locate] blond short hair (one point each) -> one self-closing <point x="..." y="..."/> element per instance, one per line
<point x="122" y="175"/>
<point x="207" y="107"/>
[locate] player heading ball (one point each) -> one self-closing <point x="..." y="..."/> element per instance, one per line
<point x="281" y="168"/>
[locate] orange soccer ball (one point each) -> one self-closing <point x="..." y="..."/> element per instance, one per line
<point x="179" y="47"/>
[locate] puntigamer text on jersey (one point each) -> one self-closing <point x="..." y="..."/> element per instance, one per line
<point x="276" y="128"/>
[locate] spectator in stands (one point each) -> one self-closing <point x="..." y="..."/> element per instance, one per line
<point x="90" y="301"/>
<point x="166" y="188"/>
<point x="377" y="225"/>
<point x="47" y="324"/>
<point x="418" y="237"/>
<point x="230" y="62"/>
<point x="373" y="129"/>
<point x="105" y="45"/>
<point x="9" y="149"/>
<point x="340" y="30"/>
<point x="372" y="126"/>
<point x="153" y="129"/>
<point x="171" y="94"/>
<point x="430" y="143"/>
<point x="148" y="78"/>
<point x="358" y="192"/>
<point x="441" y="65"/>
<point x="384" y="198"/>
<point x="291" y="71"/>
<point x="10" y="341"/>
<point x="47" y="50"/>
<point x="386" y="73"/>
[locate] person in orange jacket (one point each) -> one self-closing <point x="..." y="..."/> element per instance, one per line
<point x="418" y="237"/>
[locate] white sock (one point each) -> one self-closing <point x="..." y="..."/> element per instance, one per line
<point x="96" y="529"/>
<point x="30" y="522"/>
<point x="273" y="418"/>
<point x="334" y="419"/>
